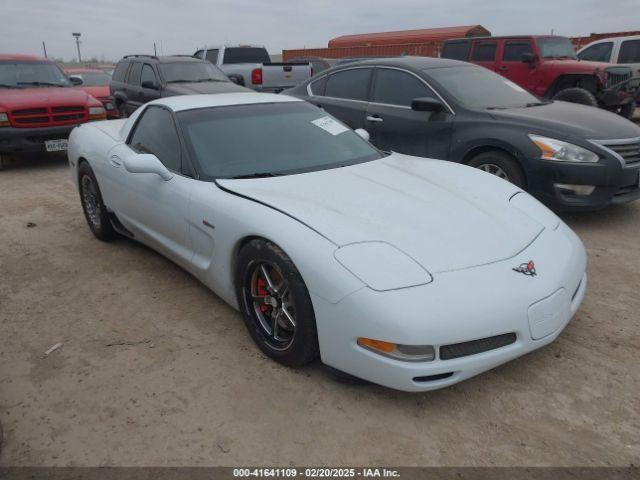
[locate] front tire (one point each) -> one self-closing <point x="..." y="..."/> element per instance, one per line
<point x="577" y="95"/>
<point x="275" y="304"/>
<point x="93" y="206"/>
<point x="500" y="164"/>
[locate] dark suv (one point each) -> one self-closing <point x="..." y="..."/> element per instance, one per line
<point x="138" y="79"/>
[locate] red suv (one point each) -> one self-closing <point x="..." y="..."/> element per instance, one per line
<point x="39" y="105"/>
<point x="548" y="67"/>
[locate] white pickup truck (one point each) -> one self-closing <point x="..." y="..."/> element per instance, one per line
<point x="251" y="66"/>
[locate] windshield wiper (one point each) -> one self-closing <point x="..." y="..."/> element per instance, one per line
<point x="179" y="81"/>
<point x="209" y="80"/>
<point x="256" y="175"/>
<point x="7" y="85"/>
<point x="42" y="84"/>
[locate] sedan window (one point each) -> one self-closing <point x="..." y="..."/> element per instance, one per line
<point x="478" y="87"/>
<point x="156" y="133"/>
<point x="394" y="87"/>
<point x="351" y="84"/>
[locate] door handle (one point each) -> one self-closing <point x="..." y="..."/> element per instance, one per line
<point x="374" y="118"/>
<point x="115" y="161"/>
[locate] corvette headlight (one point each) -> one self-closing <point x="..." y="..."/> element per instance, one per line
<point x="560" y="151"/>
<point x="4" y="120"/>
<point x="381" y="266"/>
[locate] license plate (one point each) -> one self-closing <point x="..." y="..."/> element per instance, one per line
<point x="55" y="145"/>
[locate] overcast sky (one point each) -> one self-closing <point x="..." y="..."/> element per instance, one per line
<point x="112" y="28"/>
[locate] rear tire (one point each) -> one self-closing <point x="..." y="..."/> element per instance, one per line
<point x="122" y="109"/>
<point x="500" y="164"/>
<point x="269" y="302"/>
<point x="577" y="95"/>
<point x="627" y="110"/>
<point x="95" y="212"/>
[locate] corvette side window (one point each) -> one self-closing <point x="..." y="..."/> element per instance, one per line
<point x="156" y="133"/>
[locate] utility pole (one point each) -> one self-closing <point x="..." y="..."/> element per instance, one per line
<point x="44" y="48"/>
<point x="77" y="35"/>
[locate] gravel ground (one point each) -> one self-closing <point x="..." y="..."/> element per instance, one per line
<point x="154" y="369"/>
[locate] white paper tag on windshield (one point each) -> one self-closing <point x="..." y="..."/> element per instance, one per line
<point x="328" y="124"/>
<point x="517" y="88"/>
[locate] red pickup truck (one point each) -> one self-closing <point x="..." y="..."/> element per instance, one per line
<point x="39" y="106"/>
<point x="548" y="67"/>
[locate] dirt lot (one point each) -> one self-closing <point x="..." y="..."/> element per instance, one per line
<point x="156" y="370"/>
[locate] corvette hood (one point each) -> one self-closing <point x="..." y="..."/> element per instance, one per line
<point x="444" y="215"/>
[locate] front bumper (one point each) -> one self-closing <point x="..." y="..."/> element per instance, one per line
<point x="18" y="140"/>
<point x="615" y="183"/>
<point x="458" y="306"/>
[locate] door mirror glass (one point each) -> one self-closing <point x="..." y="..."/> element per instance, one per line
<point x="146" y="163"/>
<point x="75" y="80"/>
<point x="362" y="133"/>
<point x="426" y="104"/>
<point x="528" y="57"/>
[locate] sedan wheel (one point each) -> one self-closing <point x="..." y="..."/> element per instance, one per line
<point x="275" y="304"/>
<point x="500" y="164"/>
<point x="494" y="170"/>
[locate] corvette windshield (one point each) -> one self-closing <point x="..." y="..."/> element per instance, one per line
<point x="270" y="139"/>
<point x="477" y="87"/>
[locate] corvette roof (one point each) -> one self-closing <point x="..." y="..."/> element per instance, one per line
<point x="189" y="102"/>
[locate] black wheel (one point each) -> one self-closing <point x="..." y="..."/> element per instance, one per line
<point x="577" y="95"/>
<point x="94" y="209"/>
<point x="122" y="109"/>
<point x="627" y="110"/>
<point x="500" y="164"/>
<point x="275" y="304"/>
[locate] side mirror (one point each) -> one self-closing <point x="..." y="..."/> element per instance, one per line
<point x="237" y="79"/>
<point x="528" y="57"/>
<point x="146" y="163"/>
<point x="150" y="84"/>
<point x="426" y="104"/>
<point x="362" y="133"/>
<point x="75" y="80"/>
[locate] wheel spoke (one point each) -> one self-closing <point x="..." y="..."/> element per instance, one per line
<point x="274" y="325"/>
<point x="267" y="278"/>
<point x="288" y="317"/>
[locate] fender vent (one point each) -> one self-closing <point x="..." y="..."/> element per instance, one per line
<point x="464" y="349"/>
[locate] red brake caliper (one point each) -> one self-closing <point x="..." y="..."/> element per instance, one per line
<point x="262" y="291"/>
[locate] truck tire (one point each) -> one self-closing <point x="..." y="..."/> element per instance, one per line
<point x="627" y="110"/>
<point x="577" y="95"/>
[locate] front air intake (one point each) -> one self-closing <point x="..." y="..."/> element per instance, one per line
<point x="464" y="349"/>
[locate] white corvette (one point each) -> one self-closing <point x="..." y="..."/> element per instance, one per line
<point x="408" y="272"/>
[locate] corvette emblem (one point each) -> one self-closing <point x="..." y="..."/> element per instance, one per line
<point x="528" y="268"/>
